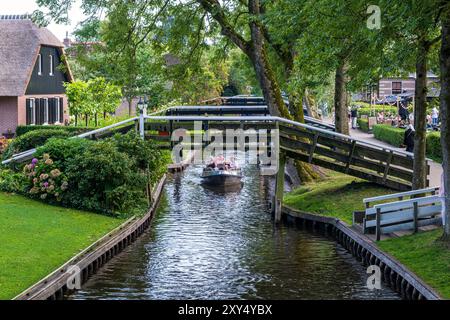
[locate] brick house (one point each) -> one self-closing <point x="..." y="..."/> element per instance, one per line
<point x="32" y="73"/>
<point x="399" y="86"/>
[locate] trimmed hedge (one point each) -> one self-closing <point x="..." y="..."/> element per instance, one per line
<point x="389" y="134"/>
<point x="434" y="150"/>
<point x="21" y="130"/>
<point x="363" y="124"/>
<point x="395" y="137"/>
<point x="32" y="140"/>
<point x="375" y="110"/>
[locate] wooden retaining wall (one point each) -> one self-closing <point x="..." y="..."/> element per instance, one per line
<point x="54" y="286"/>
<point x="394" y="274"/>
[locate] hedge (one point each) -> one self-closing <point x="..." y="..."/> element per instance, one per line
<point x="21" y="130"/>
<point x="395" y="137"/>
<point x="434" y="150"/>
<point x="392" y="135"/>
<point x="375" y="110"/>
<point x="363" y="124"/>
<point x="32" y="140"/>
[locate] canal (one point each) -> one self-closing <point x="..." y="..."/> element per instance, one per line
<point x="206" y="244"/>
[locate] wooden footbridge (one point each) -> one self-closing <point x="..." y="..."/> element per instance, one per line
<point x="314" y="143"/>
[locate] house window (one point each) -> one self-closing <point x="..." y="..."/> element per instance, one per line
<point x="397" y="87"/>
<point x="51" y="65"/>
<point x="30" y="111"/>
<point x="45" y="101"/>
<point x="57" y="111"/>
<point x="40" y="64"/>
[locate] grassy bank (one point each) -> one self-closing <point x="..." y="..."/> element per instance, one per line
<point x="336" y="196"/>
<point x="37" y="238"/>
<point x="339" y="195"/>
<point x="423" y="254"/>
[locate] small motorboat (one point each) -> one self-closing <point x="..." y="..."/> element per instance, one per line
<point x="220" y="172"/>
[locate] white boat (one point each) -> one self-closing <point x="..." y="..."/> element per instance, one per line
<point x="220" y="172"/>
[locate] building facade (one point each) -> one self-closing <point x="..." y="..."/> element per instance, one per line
<point x="32" y="74"/>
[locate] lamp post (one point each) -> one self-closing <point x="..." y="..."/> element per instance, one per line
<point x="141" y="106"/>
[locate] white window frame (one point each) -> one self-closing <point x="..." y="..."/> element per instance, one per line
<point x="51" y="65"/>
<point x="33" y="111"/>
<point x="57" y="111"/>
<point x="46" y="111"/>
<point x="39" y="64"/>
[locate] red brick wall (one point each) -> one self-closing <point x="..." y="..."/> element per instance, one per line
<point x="8" y="114"/>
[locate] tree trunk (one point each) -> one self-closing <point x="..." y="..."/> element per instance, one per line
<point x="76" y="119"/>
<point x="130" y="105"/>
<point x="86" y="117"/>
<point x="445" y="115"/>
<point x="340" y="99"/>
<point x="420" y="112"/>
<point x="263" y="69"/>
<point x="96" y="119"/>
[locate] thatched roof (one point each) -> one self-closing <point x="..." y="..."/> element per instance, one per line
<point x="20" y="42"/>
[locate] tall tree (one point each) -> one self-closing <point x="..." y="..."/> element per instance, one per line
<point x="445" y="113"/>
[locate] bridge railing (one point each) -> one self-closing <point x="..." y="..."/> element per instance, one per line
<point x="358" y="154"/>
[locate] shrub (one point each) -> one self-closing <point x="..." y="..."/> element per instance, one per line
<point x="45" y="179"/>
<point x="389" y="134"/>
<point x="103" y="179"/>
<point x="21" y="130"/>
<point x="32" y="140"/>
<point x="434" y="150"/>
<point x="3" y="144"/>
<point x="375" y="110"/>
<point x="61" y="150"/>
<point x="363" y="124"/>
<point x="11" y="181"/>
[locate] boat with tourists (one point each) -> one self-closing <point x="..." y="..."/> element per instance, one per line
<point x="220" y="172"/>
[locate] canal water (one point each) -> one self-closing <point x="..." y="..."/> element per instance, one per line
<point x="207" y="244"/>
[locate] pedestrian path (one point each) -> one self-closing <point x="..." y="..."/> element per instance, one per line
<point x="435" y="168"/>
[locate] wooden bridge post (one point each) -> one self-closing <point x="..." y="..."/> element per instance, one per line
<point x="279" y="187"/>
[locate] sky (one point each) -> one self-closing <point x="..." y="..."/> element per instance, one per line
<point x="28" y="6"/>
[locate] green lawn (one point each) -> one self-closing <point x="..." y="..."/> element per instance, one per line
<point x="37" y="238"/>
<point x="337" y="196"/>
<point x="423" y="254"/>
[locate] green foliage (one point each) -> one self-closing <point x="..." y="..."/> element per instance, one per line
<point x="373" y="111"/>
<point x="363" y="124"/>
<point x="108" y="176"/>
<point x="11" y="181"/>
<point x="392" y="135"/>
<point x="21" y="130"/>
<point x="92" y="97"/>
<point x="434" y="149"/>
<point x="32" y="140"/>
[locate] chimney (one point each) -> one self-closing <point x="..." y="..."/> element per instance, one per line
<point x="67" y="42"/>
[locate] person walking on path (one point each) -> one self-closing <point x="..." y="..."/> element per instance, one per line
<point x="435" y="116"/>
<point x="409" y="138"/>
<point x="354" y="114"/>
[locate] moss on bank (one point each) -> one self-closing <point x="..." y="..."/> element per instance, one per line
<point x="37" y="238"/>
<point x="336" y="196"/>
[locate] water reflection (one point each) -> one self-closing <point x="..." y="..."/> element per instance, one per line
<point x="206" y="244"/>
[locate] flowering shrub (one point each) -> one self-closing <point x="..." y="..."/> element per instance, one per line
<point x="47" y="181"/>
<point x="3" y="144"/>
